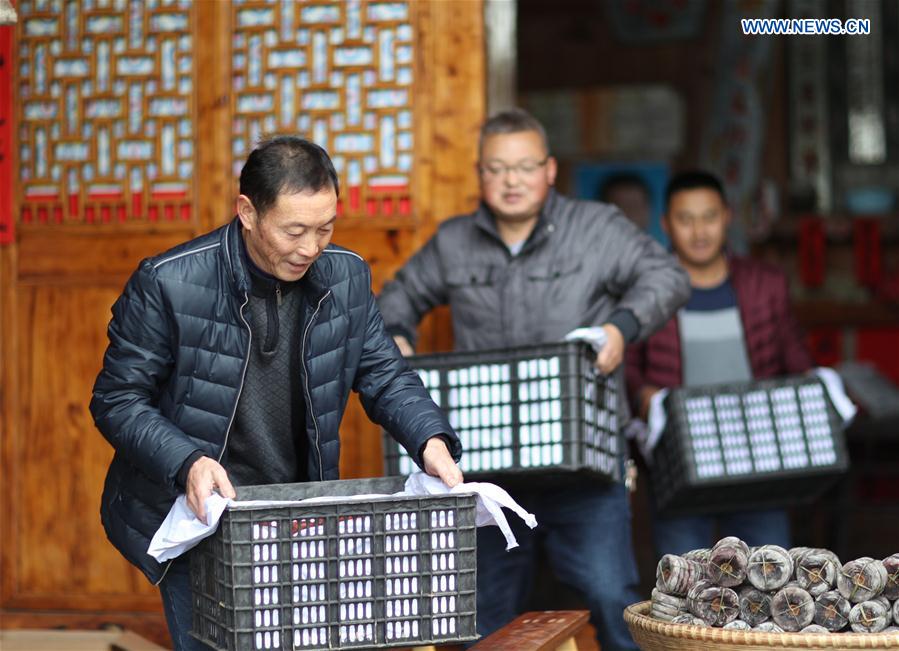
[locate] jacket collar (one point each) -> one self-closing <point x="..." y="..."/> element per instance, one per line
<point x="263" y="284"/>
<point x="486" y="221"/>
<point x="313" y="283"/>
<point x="237" y="270"/>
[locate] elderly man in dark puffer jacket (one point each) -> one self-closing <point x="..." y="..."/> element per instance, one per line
<point x="231" y="358"/>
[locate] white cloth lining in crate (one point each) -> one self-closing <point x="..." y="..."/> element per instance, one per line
<point x="443" y="605"/>
<point x="403" y="542"/>
<point x="400" y="521"/>
<point x="182" y="530"/>
<point x="355" y="610"/>
<point x="268" y="640"/>
<point x="267" y="618"/>
<point x="310" y="637"/>
<point x="357" y="633"/>
<point x="310" y="592"/>
<point x="401" y="587"/>
<point x="443" y="583"/>
<point x="265" y="574"/>
<point x="317" y="614"/>
<point x="402" y="630"/>
<point x="355" y="589"/>
<point x="352" y="568"/>
<point x="265" y="596"/>
<point x="443" y="626"/>
<point x="396" y="608"/>
<point x="787" y="415"/>
<point x="309" y="549"/>
<point x="307" y="571"/>
<point x="401" y="565"/>
<point x="478" y="398"/>
<point x="443" y="560"/>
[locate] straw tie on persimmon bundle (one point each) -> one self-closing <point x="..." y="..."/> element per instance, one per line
<point x="792" y="608"/>
<point x="869" y="617"/>
<point x="728" y="562"/>
<point x="862" y="579"/>
<point x="769" y="568"/>
<point x="832" y="610"/>
<point x="816" y="570"/>
<point x="755" y="605"/>
<point x="891" y="590"/>
<point x="713" y="604"/>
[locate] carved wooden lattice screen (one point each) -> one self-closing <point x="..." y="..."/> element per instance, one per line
<point x="340" y="73"/>
<point x="105" y="113"/>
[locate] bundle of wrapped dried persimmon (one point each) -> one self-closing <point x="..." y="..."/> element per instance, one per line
<point x="773" y="589"/>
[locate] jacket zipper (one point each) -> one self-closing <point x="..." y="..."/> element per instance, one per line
<point x="243" y="377"/>
<point x="321" y="472"/>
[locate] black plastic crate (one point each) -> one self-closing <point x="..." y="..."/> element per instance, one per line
<point x="369" y="572"/>
<point x="747" y="445"/>
<point x="523" y="411"/>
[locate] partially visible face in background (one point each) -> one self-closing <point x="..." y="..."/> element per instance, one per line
<point x="633" y="201"/>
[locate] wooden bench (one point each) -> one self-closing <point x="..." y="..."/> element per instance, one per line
<point x="549" y="630"/>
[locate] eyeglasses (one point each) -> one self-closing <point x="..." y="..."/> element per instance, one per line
<point x="496" y="169"/>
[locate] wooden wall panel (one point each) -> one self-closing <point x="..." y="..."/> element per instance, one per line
<point x="11" y="494"/>
<point x="457" y="112"/>
<point x="54" y="460"/>
<point x="105" y="259"/>
<point x="61" y="461"/>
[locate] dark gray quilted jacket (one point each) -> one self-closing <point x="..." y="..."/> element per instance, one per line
<point x="583" y="261"/>
<point x="172" y="375"/>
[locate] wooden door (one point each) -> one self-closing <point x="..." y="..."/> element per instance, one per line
<point x="122" y="127"/>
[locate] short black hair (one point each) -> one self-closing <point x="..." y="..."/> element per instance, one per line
<point x="693" y="180"/>
<point x="515" y="120"/>
<point x="622" y="180"/>
<point x="285" y="165"/>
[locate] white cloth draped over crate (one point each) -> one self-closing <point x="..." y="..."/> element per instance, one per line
<point x="182" y="529"/>
<point x="595" y="336"/>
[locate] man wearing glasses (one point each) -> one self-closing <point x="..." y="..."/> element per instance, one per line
<point x="527" y="267"/>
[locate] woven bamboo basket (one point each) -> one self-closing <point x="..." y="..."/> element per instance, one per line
<point x="656" y="635"/>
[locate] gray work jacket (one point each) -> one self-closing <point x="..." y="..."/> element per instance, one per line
<point x="583" y="263"/>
